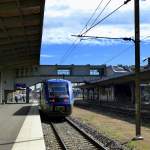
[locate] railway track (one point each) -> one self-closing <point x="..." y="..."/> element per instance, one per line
<point x="145" y="114"/>
<point x="66" y="135"/>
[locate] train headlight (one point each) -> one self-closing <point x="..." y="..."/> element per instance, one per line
<point x="53" y="100"/>
<point x="65" y="100"/>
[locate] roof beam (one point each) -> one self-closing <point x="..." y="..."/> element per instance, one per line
<point x="18" y="58"/>
<point x="26" y="12"/>
<point x="16" y="64"/>
<point x="24" y="50"/>
<point x="11" y="5"/>
<point x="4" y="29"/>
<point x="15" y="22"/>
<point x="21" y="18"/>
<point x="17" y="45"/>
<point x="18" y="35"/>
<point x="21" y="24"/>
<point x="30" y="30"/>
<point x="3" y="41"/>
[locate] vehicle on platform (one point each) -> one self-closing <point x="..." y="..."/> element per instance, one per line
<point x="56" y="98"/>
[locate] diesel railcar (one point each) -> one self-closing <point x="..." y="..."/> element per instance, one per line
<point x="56" y="98"/>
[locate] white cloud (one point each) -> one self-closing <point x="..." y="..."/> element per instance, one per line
<point x="63" y="34"/>
<point x="66" y="17"/>
<point x="47" y="56"/>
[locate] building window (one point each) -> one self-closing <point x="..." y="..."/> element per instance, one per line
<point x="22" y="72"/>
<point x="26" y="71"/>
<point x="63" y="72"/>
<point x="102" y="72"/>
<point x="94" y="72"/>
<point x="17" y="72"/>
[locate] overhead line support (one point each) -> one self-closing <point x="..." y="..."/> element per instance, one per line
<point x="137" y="71"/>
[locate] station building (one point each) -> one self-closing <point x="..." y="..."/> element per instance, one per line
<point x="117" y="86"/>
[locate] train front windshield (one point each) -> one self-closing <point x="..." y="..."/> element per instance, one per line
<point x="58" y="89"/>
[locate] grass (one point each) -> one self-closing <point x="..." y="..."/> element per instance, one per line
<point x="115" y="128"/>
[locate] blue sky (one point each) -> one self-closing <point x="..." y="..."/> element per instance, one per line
<point x="66" y="17"/>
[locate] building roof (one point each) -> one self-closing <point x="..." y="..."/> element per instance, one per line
<point x="21" y="23"/>
<point x="124" y="78"/>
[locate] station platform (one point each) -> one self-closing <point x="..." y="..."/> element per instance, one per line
<point x="20" y="127"/>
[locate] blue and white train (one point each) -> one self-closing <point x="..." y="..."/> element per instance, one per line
<point x="56" y="97"/>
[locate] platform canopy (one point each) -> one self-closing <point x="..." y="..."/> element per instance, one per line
<point x="21" y="23"/>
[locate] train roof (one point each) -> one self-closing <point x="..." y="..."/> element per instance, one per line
<point x="58" y="80"/>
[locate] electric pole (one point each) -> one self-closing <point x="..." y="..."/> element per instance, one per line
<point x="137" y="70"/>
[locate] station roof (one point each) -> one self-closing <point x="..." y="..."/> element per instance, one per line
<point x="21" y="23"/>
<point x="121" y="79"/>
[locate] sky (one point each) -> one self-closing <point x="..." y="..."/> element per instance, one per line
<point x="64" y="18"/>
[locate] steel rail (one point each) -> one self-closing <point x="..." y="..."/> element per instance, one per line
<point x="89" y="138"/>
<point x="60" y="140"/>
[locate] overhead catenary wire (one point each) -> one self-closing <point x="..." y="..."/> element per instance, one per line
<point x="67" y="52"/>
<point x="104" y="37"/>
<point x="94" y="12"/>
<point x="117" y="55"/>
<point x="120" y="38"/>
<point x="125" y="2"/>
<point x="147" y="37"/>
<point x="70" y="49"/>
<point x="100" y="13"/>
<point x="122" y="52"/>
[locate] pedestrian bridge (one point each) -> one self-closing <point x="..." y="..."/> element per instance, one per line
<point x="74" y="73"/>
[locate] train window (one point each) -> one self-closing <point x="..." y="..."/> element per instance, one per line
<point x="58" y="88"/>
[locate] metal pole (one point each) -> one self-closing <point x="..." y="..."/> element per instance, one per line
<point x="137" y="70"/>
<point x="27" y="94"/>
<point x="1" y="86"/>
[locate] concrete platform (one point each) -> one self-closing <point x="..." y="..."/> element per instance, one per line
<point x="20" y="127"/>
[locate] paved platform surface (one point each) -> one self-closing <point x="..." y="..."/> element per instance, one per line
<point x="20" y="127"/>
